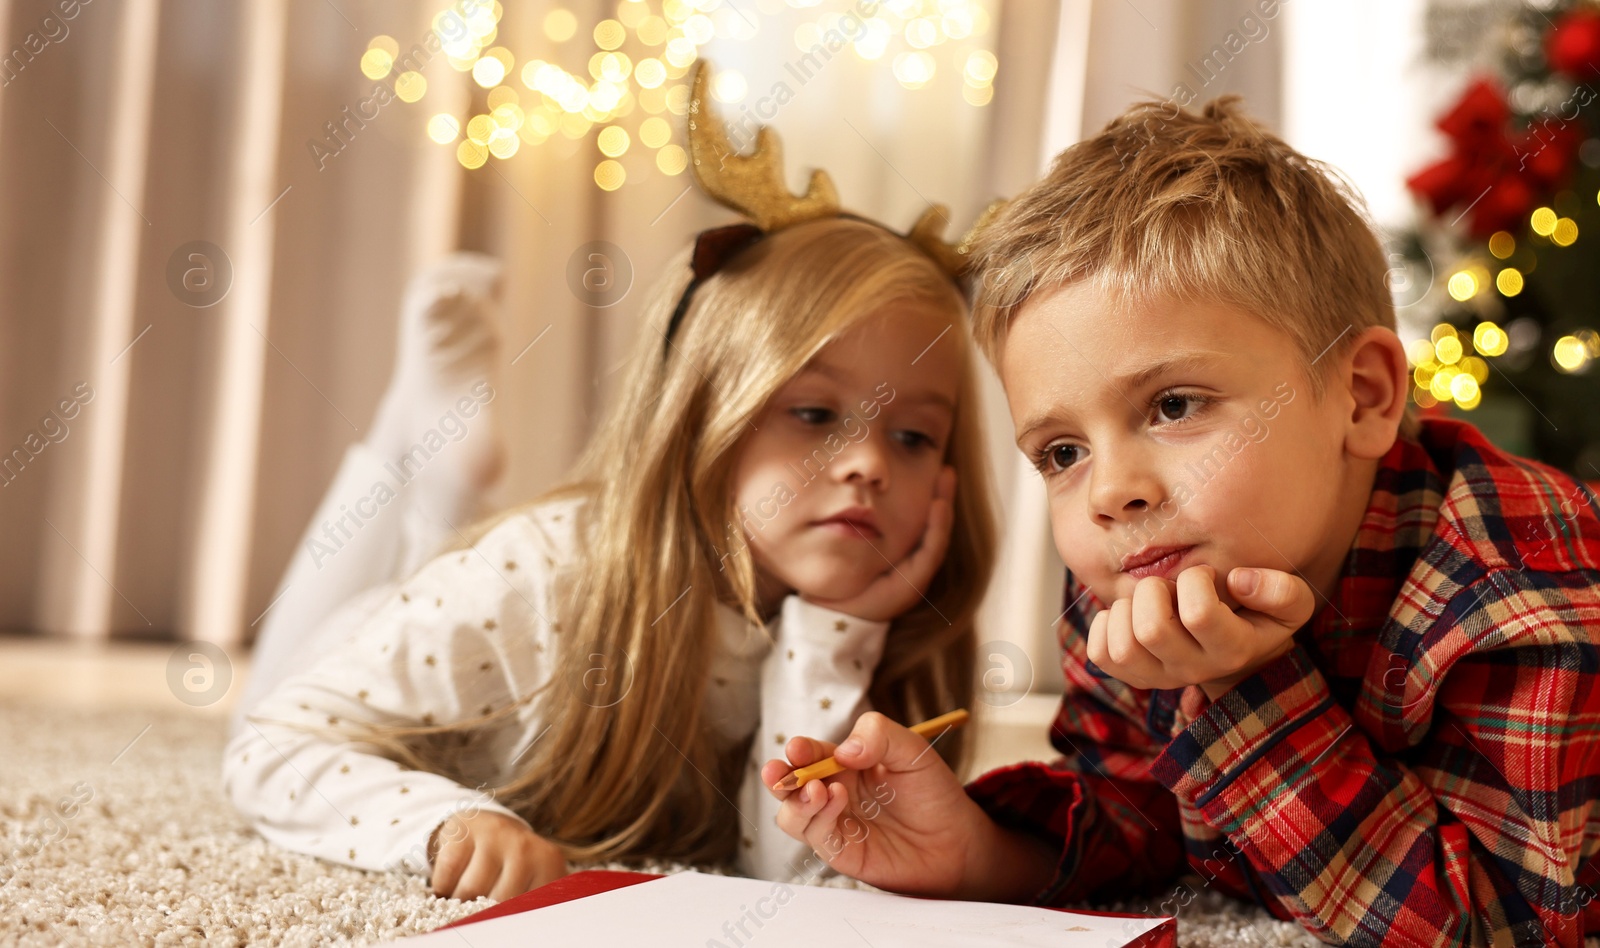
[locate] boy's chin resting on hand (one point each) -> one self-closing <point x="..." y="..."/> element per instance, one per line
<point x="1172" y="634"/>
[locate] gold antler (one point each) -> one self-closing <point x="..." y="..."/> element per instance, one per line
<point x="929" y="228"/>
<point x="752" y="184"/>
<point x="928" y="232"/>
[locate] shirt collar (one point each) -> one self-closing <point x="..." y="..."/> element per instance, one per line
<point x="1401" y="517"/>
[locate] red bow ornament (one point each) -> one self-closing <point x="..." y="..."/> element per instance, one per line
<point x="1496" y="176"/>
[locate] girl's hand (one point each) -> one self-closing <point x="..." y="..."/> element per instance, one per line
<point x="899" y="819"/>
<point x="1171" y="635"/>
<point x="491" y="854"/>
<point x="901" y="586"/>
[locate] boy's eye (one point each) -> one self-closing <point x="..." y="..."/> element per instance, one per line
<point x="1172" y="408"/>
<point x="1057" y="458"/>
<point x="812" y="416"/>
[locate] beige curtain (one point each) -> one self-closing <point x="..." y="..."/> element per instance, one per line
<point x="138" y="133"/>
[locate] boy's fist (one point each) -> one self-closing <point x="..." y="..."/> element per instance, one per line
<point x="1151" y="641"/>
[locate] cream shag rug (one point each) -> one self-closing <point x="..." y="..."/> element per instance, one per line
<point x="114" y="830"/>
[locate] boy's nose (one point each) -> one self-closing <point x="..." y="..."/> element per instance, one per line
<point x="1122" y="485"/>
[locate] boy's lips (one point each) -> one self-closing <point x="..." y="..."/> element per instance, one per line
<point x="1155" y="561"/>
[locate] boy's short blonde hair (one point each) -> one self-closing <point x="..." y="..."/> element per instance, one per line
<point x="1166" y="203"/>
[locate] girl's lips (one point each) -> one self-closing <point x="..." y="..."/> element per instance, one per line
<point x="856" y="520"/>
<point x="848" y="528"/>
<point x="1166" y="564"/>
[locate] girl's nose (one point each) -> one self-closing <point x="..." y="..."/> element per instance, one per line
<point x="865" y="461"/>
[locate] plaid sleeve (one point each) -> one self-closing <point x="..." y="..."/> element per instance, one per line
<point x="1117" y="830"/>
<point x="1455" y="811"/>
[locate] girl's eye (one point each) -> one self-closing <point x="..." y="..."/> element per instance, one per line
<point x="1056" y="458"/>
<point x="914" y="439"/>
<point x="1176" y="408"/>
<point x="812" y="416"/>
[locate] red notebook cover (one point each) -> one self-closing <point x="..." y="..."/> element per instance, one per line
<point x="595" y="881"/>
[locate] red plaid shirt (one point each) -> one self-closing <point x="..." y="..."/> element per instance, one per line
<point x="1422" y="768"/>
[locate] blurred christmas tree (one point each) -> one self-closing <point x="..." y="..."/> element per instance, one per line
<point x="1514" y="230"/>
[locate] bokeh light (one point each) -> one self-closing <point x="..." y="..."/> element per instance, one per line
<point x="488" y="72"/>
<point x="1570" y="355"/>
<point x="1509" y="281"/>
<point x="471" y="154"/>
<point x="1447" y="367"/>
<point x="609" y="175"/>
<point x="613" y="141"/>
<point x="1448" y="350"/>
<point x="1489" y="339"/>
<point x="376" y="63"/>
<point x="729" y="86"/>
<point x="610" y="34"/>
<point x="672" y="160"/>
<point x="443" y="128"/>
<point x="410" y="86"/>
<point x="560" y="25"/>
<point x="1463" y="286"/>
<point x="630" y="67"/>
<point x="914" y="70"/>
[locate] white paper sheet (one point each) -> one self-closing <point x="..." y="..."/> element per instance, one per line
<point x="706" y="911"/>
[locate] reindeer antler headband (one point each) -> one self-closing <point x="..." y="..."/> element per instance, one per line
<point x="754" y="186"/>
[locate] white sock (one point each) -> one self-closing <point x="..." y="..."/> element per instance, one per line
<point x="448" y="346"/>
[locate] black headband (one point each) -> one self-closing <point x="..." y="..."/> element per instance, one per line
<point x="712" y="250"/>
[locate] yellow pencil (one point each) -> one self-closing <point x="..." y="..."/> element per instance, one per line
<point x="930" y="729"/>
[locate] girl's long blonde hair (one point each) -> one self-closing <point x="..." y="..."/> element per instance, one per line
<point x="625" y="770"/>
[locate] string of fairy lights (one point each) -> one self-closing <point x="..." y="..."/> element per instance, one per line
<point x="637" y="63"/>
<point x="1450" y="366"/>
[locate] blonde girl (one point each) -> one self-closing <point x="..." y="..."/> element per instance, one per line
<point x="765" y="537"/>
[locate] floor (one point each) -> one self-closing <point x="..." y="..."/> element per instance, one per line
<point x="59" y="672"/>
<point x="114" y="829"/>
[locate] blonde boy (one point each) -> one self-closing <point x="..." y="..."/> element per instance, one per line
<point x="1328" y="658"/>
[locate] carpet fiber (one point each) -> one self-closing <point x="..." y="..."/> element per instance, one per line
<point x="115" y="831"/>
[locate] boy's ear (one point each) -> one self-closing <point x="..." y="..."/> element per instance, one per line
<point x="1377" y="377"/>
